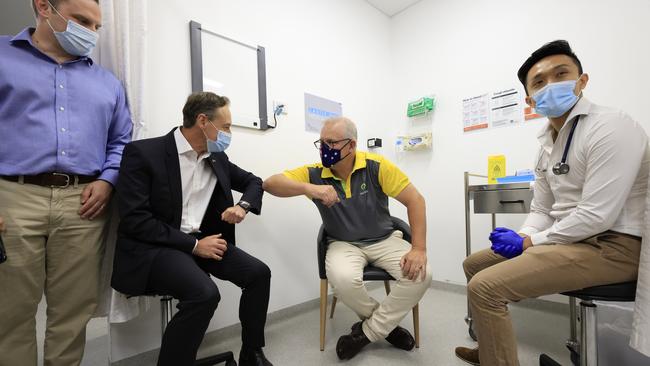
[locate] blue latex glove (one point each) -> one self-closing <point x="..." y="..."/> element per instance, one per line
<point x="506" y="242"/>
<point x="508" y="251"/>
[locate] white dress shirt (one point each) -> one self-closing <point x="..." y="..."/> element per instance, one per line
<point x="197" y="181"/>
<point x="606" y="186"/>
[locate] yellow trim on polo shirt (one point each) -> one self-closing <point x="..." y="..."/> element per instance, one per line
<point x="359" y="163"/>
<point x="391" y="179"/>
<point x="300" y="174"/>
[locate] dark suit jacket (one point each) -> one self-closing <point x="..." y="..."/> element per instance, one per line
<point x="149" y="197"/>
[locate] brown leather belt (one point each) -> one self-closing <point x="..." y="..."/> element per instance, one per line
<point x="52" y="180"/>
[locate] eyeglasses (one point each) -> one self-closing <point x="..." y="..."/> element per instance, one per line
<point x="318" y="143"/>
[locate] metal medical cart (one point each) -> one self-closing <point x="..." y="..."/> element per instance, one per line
<point x="511" y="198"/>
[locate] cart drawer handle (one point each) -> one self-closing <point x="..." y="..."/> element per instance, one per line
<point x="515" y="201"/>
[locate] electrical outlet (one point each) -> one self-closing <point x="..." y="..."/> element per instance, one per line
<point x="278" y="103"/>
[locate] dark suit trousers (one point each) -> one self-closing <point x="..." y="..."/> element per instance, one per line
<point x="186" y="278"/>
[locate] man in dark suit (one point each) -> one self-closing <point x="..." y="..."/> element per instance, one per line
<point x="177" y="228"/>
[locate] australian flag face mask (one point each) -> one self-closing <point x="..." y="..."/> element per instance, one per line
<point x="330" y="156"/>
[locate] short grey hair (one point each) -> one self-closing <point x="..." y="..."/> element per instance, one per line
<point x="350" y="127"/>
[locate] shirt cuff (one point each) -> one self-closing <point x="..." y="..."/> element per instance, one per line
<point x="109" y="175"/>
<point x="540" y="238"/>
<point x="528" y="230"/>
<point x="195" y="245"/>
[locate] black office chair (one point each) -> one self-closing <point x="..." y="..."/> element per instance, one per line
<point x="370" y="273"/>
<point x="585" y="351"/>
<point x="166" y="313"/>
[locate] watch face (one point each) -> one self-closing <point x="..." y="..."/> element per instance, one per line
<point x="245" y="205"/>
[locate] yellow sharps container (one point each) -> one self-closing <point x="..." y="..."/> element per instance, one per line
<point x="496" y="168"/>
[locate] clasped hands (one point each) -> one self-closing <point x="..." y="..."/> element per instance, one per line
<point x="508" y="243"/>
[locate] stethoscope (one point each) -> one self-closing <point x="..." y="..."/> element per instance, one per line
<point x="562" y="167"/>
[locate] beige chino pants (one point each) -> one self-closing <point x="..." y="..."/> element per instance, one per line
<point x="51" y="251"/>
<point x="344" y="263"/>
<point x="494" y="281"/>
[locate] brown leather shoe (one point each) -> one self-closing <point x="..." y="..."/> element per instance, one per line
<point x="349" y="345"/>
<point x="469" y="355"/>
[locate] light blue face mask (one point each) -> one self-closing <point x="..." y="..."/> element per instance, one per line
<point x="555" y="99"/>
<point x="76" y="39"/>
<point x="221" y="143"/>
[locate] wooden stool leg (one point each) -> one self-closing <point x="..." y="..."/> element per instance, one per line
<point x="416" y="324"/>
<point x="323" y="311"/>
<point x="333" y="306"/>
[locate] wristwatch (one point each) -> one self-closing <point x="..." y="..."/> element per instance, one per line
<point x="245" y="205"/>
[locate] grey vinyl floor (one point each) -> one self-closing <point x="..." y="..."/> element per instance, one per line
<point x="292" y="337"/>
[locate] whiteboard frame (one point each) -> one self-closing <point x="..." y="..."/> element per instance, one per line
<point x="196" y="54"/>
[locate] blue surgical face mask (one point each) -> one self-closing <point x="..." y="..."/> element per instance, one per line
<point x="555" y="99"/>
<point x="76" y="39"/>
<point x="221" y="143"/>
<point x="330" y="156"/>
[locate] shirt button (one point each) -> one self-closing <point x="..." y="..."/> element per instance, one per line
<point x="62" y="152"/>
<point x="62" y="129"/>
<point x="61" y="109"/>
<point x="61" y="86"/>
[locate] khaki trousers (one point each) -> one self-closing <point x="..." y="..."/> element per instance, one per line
<point x="51" y="251"/>
<point x="344" y="263"/>
<point x="495" y="281"/>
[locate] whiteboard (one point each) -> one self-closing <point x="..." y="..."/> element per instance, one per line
<point x="230" y="68"/>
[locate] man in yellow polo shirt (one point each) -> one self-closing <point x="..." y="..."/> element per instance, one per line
<point x="350" y="189"/>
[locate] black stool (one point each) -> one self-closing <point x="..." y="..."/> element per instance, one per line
<point x="166" y="313"/>
<point x="585" y="351"/>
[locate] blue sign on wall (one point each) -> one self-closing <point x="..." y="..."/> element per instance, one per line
<point x="319" y="109"/>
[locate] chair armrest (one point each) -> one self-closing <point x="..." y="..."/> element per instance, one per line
<point x="402" y="226"/>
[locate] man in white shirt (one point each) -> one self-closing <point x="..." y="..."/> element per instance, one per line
<point x="178" y="227"/>
<point x="586" y="218"/>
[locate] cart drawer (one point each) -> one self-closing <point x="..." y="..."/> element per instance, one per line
<point x="503" y="201"/>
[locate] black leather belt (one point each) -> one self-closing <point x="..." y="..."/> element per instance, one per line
<point x="52" y="180"/>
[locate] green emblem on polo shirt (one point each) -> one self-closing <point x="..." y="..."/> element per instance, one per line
<point x="363" y="186"/>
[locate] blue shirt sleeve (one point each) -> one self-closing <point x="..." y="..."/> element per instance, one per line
<point x="119" y="134"/>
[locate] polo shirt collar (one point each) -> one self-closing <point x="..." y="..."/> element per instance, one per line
<point x="359" y="163"/>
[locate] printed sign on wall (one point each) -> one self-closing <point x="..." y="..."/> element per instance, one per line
<point x="476" y="113"/>
<point x="319" y="109"/>
<point x="505" y="108"/>
<point x="499" y="108"/>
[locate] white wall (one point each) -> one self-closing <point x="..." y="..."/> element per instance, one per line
<point x="462" y="48"/>
<point x="336" y="49"/>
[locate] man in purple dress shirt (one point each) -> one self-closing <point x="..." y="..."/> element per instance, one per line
<point x="64" y="121"/>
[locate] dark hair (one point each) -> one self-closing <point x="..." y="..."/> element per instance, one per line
<point x="202" y="103"/>
<point x="54" y="3"/>
<point x="559" y="47"/>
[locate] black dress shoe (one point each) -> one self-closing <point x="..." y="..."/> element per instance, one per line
<point x="253" y="358"/>
<point x="349" y="345"/>
<point x="401" y="338"/>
